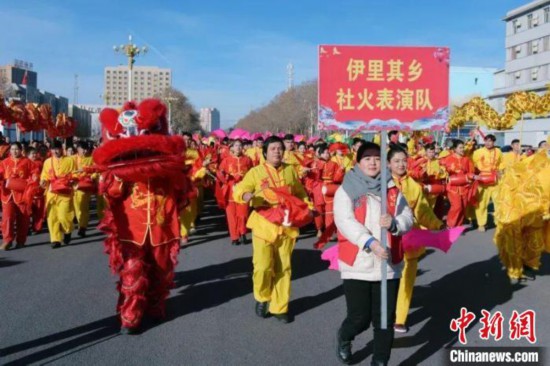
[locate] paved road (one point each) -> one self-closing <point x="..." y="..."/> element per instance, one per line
<point x="57" y="306"/>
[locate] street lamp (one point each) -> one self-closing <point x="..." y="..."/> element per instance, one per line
<point x="131" y="51"/>
<point x="170" y="99"/>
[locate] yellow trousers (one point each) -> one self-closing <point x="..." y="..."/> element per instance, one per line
<point x="187" y="218"/>
<point x="60" y="215"/>
<point x="81" y="202"/>
<point x="406" y="285"/>
<point x="484" y="195"/>
<point x="272" y="272"/>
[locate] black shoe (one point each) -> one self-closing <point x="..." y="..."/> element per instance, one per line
<point x="261" y="309"/>
<point x="243" y="239"/>
<point x="529" y="273"/>
<point x="82" y="232"/>
<point x="235" y="242"/>
<point x="56" y="245"/>
<point x="129" y="331"/>
<point x="378" y="363"/>
<point x="283" y="318"/>
<point x="343" y="351"/>
<point x="67" y="239"/>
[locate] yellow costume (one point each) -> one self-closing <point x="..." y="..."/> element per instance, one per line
<point x="59" y="207"/>
<point x="523" y="213"/>
<point x="425" y="219"/>
<point x="272" y="244"/>
<point x="189" y="214"/>
<point x="435" y="171"/>
<point x="81" y="199"/>
<point x="509" y="159"/>
<point x="343" y="161"/>
<point x="486" y="161"/>
<point x="255" y="153"/>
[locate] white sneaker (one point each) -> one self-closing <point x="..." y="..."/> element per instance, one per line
<point x="400" y="328"/>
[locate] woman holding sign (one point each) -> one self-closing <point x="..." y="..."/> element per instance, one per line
<point x="361" y="256"/>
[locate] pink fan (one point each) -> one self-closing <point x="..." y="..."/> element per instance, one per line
<point x="255" y="136"/>
<point x="313" y="140"/>
<point x="442" y="240"/>
<point x="299" y="138"/>
<point x="219" y="133"/>
<point x="237" y="133"/>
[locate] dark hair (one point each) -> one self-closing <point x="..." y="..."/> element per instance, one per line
<point x="396" y="149"/>
<point x="288" y="136"/>
<point x="83" y="145"/>
<point x="18" y="144"/>
<point x="457" y="142"/>
<point x="542" y="143"/>
<point x="393" y="132"/>
<point x="30" y="150"/>
<point x="232" y="142"/>
<point x="302" y="143"/>
<point x="56" y="145"/>
<point x="490" y="137"/>
<point x="367" y="148"/>
<point x="514" y="141"/>
<point x="259" y="138"/>
<point x="188" y="134"/>
<point x="430" y="146"/>
<point x="356" y="140"/>
<point x="271" y="140"/>
<point x="321" y="148"/>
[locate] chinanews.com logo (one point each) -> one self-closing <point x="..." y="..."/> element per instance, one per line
<point x="519" y="326"/>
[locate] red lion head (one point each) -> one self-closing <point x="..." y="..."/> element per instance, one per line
<point x="136" y="145"/>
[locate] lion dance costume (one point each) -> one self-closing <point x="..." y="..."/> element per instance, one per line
<point x="144" y="186"/>
<point x="523" y="215"/>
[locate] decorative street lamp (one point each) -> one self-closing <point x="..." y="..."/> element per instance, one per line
<point x="131" y="51"/>
<point x="170" y="99"/>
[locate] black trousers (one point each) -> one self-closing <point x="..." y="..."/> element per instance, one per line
<point x="363" y="305"/>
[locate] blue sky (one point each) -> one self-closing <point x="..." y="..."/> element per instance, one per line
<point x="233" y="54"/>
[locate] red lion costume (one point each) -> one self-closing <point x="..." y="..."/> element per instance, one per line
<point x="143" y="182"/>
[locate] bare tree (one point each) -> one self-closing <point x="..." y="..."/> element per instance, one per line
<point x="291" y="111"/>
<point x="183" y="115"/>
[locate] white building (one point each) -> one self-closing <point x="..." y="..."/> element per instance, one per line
<point x="210" y="119"/>
<point x="527" y="67"/>
<point x="147" y="81"/>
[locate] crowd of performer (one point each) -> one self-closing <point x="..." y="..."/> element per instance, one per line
<point x="444" y="187"/>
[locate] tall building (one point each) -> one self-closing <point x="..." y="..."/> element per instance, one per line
<point x="527" y="67"/>
<point x="147" y="81"/>
<point x="210" y="119"/>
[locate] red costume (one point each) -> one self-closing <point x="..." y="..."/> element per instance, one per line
<point x="38" y="202"/>
<point x="230" y="172"/>
<point x="314" y="186"/>
<point x="143" y="183"/>
<point x="460" y="190"/>
<point x="333" y="176"/>
<point x="17" y="175"/>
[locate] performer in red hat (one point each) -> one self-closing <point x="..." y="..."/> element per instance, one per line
<point x="143" y="182"/>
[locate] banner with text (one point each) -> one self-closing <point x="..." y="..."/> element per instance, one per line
<point x="383" y="88"/>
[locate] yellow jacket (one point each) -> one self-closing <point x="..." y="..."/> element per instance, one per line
<point x="509" y="159"/>
<point x="423" y="213"/>
<point x="487" y="160"/>
<point x="259" y="178"/>
<point x="433" y="169"/>
<point x="343" y="161"/>
<point x="62" y="167"/>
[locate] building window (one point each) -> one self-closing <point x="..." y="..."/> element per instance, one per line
<point x="546" y="43"/>
<point x="534" y="73"/>
<point x="515" y="26"/>
<point x="547" y="14"/>
<point x="518" y="50"/>
<point x="517" y="77"/>
<point x="529" y="21"/>
<point x="535" y="46"/>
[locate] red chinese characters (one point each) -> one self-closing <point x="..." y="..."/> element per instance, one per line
<point x="492" y="325"/>
<point x="522" y="325"/>
<point x="461" y="323"/>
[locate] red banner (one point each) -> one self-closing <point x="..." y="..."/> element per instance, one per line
<point x="370" y="85"/>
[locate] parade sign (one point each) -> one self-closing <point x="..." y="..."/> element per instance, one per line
<point x="380" y="88"/>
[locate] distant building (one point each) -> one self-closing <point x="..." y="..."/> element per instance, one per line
<point x="19" y="82"/>
<point x="210" y="119"/>
<point x="527" y="67"/>
<point x="83" y="117"/>
<point x="147" y="81"/>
